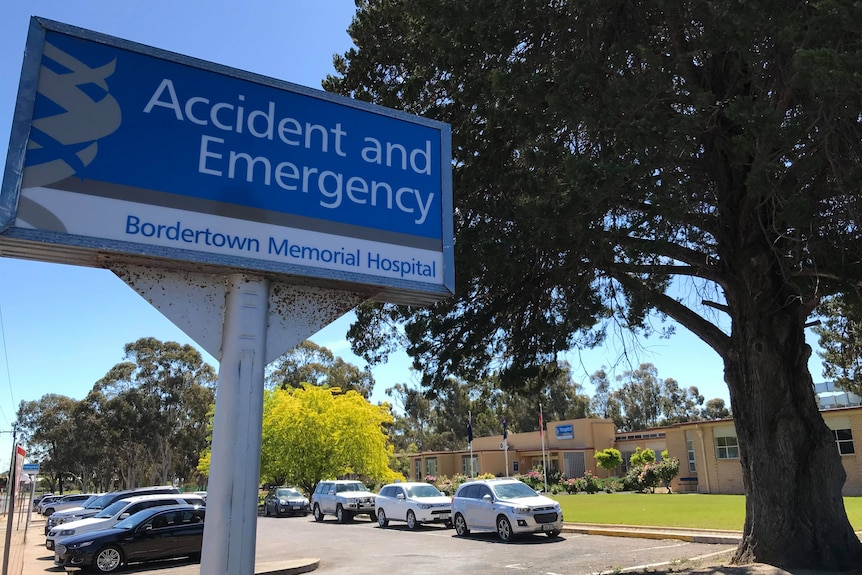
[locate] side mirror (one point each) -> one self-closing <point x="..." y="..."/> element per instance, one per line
<point x="399" y="496"/>
<point x="148" y="527"/>
<point x="487" y="497"/>
<point x="124" y="515"/>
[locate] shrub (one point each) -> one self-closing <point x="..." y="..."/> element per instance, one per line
<point x="591" y="482"/>
<point x="574" y="485"/>
<point x="666" y="470"/>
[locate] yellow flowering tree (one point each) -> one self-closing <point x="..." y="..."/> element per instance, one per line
<point x="313" y="433"/>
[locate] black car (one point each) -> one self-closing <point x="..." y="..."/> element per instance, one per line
<point x="285" y="501"/>
<point x="154" y="533"/>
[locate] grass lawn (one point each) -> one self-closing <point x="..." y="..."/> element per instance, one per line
<point x="671" y="510"/>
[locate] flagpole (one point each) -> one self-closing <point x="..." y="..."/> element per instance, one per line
<point x="470" y="437"/>
<point x="506" y="446"/>
<point x="542" y="439"/>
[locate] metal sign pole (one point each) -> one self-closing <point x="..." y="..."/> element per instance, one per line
<point x="231" y="524"/>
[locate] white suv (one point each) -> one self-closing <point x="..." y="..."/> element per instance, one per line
<point x="116" y="512"/>
<point x="345" y="499"/>
<point x="507" y="506"/>
<point x="415" y="503"/>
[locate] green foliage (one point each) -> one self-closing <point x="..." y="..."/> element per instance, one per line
<point x="313" y="433"/>
<point x="309" y="363"/>
<point x="642" y="456"/>
<point x="666" y="470"/>
<point x="143" y="423"/>
<point x="609" y="458"/>
<point x="840" y="334"/>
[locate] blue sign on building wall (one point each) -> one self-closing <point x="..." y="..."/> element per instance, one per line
<point x="565" y="431"/>
<point x="125" y="149"/>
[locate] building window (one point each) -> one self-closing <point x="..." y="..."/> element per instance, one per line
<point x="689" y="448"/>
<point x="466" y="468"/>
<point x="418" y="470"/>
<point x="431" y="467"/>
<point x="726" y="447"/>
<point x="844" y="439"/>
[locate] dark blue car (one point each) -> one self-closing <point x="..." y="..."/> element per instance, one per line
<point x="155" y="533"/>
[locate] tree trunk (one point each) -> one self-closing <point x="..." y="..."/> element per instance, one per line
<point x="792" y="471"/>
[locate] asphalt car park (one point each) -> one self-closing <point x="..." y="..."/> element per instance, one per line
<point x="361" y="547"/>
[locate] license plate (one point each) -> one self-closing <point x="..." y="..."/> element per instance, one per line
<point x="296" y="507"/>
<point x="547" y="527"/>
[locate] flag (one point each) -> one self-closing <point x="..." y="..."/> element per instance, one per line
<point x="504" y="429"/>
<point x="469" y="427"/>
<point x="541" y="423"/>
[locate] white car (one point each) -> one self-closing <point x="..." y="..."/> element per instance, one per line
<point x="507" y="506"/>
<point x="47" y="500"/>
<point x="416" y="503"/>
<point x="116" y="512"/>
<point x="74" y="501"/>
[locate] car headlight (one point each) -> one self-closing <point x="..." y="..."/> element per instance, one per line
<point x="521" y="510"/>
<point x="79" y="545"/>
<point x="66" y="532"/>
<point x="283" y="501"/>
<point x="424" y="506"/>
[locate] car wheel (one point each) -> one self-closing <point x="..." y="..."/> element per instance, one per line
<point x="411" y="520"/>
<point x="382" y="520"/>
<point x="108" y="560"/>
<point x="277" y="511"/>
<point x="318" y="514"/>
<point x="553" y="533"/>
<point x="372" y="516"/>
<point x="340" y="515"/>
<point x="504" y="529"/>
<point x="461" y="525"/>
<point x="49" y="512"/>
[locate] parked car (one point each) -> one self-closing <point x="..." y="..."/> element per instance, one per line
<point x="38" y="498"/>
<point x="507" y="506"/>
<point x="151" y="534"/>
<point x="201" y="494"/>
<point x="68" y="502"/>
<point x="415" y="503"/>
<point x="344" y="498"/>
<point x="43" y="504"/>
<point x="116" y="512"/>
<point x="97" y="505"/>
<point x="285" y="501"/>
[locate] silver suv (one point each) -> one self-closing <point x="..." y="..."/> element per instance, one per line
<point x="507" y="506"/>
<point x="344" y="498"/>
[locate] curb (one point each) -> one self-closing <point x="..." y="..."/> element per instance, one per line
<point x="689" y="535"/>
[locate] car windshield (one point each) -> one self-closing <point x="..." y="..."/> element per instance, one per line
<point x="356" y="486"/>
<point x="111" y="509"/>
<point x="288" y="493"/>
<point x="423" y="491"/>
<point x="100" y="502"/>
<point x="513" y="490"/>
<point x="89" y="500"/>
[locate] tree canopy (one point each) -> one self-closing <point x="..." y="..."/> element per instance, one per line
<point x="144" y="422"/>
<point x="312" y="433"/>
<point x="615" y="160"/>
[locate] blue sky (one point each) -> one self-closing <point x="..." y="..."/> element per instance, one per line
<point x="64" y="327"/>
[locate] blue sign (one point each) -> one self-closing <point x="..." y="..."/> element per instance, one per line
<point x="125" y="149"/>
<point x="565" y="431"/>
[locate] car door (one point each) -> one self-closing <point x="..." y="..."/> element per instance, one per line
<point x="485" y="516"/>
<point x="327" y="497"/>
<point x="400" y="503"/>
